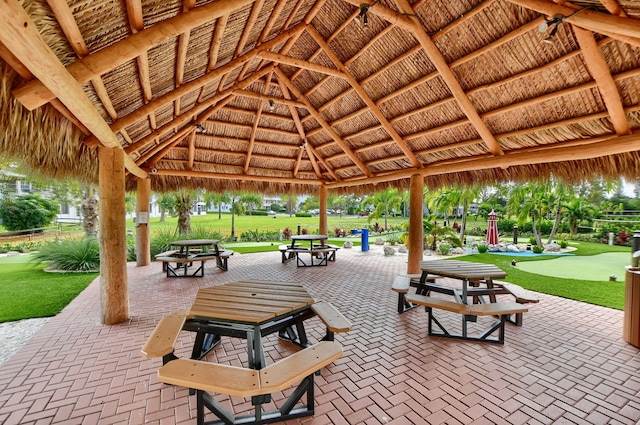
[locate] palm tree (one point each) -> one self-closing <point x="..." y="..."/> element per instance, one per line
<point x="528" y="202"/>
<point x="183" y="203"/>
<point x="252" y="200"/>
<point x="577" y="210"/>
<point x="384" y="203"/>
<point x="291" y="201"/>
<point x="166" y="202"/>
<point x="212" y="198"/>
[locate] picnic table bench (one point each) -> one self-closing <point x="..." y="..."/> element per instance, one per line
<point x="221" y="258"/>
<point x="468" y="312"/>
<point x="206" y="378"/>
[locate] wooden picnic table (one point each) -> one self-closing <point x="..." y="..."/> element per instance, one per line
<point x="250" y="309"/>
<point x="465" y="271"/>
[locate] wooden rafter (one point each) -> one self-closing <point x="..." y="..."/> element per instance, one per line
<point x="561" y="152"/>
<point x="67" y="23"/>
<point x="21" y="37"/>
<point x="366" y="98"/>
<point x="299" y="63"/>
<point x="407" y="21"/>
<point x="196" y="84"/>
<point x="256" y="122"/>
<point x="612" y="25"/>
<point x="597" y="66"/>
<point x="335" y="136"/>
<point x="23" y="72"/>
<point x="613" y="7"/>
<point x="205" y="110"/>
<point x="34" y="94"/>
<point x="303" y="139"/>
<point x="154" y="154"/>
<point x="230" y="176"/>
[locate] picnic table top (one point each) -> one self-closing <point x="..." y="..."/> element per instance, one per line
<point x="462" y="269"/>
<point x="250" y="301"/>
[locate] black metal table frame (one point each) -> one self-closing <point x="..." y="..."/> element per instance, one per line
<point x="290" y="327"/>
<point x="425" y="287"/>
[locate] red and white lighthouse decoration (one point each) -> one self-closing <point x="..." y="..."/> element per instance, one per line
<point x="492" y="230"/>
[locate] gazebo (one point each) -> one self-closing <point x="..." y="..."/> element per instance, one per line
<point x="314" y="96"/>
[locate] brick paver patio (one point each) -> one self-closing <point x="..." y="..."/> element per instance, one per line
<point x="567" y="364"/>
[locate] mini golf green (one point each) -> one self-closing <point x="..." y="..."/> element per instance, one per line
<point x="593" y="267"/>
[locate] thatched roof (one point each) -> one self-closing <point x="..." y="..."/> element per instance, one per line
<point x="282" y="96"/>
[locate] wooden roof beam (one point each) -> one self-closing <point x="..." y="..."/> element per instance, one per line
<point x="299" y="63"/>
<point x="613" y="7"/>
<point x="365" y="97"/>
<point x="335" y="136"/>
<point x="136" y="22"/>
<point x="156" y="153"/>
<point x="246" y="31"/>
<point x="69" y="27"/>
<point x="34" y="94"/>
<point x="20" y="36"/>
<point x="413" y="26"/>
<point x="262" y="96"/>
<point x="275" y="13"/>
<point x="599" y="70"/>
<point x="256" y="122"/>
<point x="181" y="58"/>
<point x="225" y="176"/>
<point x="300" y="129"/>
<point x="560" y="152"/>
<point x="197" y="84"/>
<point x="205" y="109"/>
<point x="22" y="70"/>
<point x="621" y="28"/>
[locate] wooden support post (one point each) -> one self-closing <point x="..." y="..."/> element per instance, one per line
<point x="143" y="252"/>
<point x="416" y="233"/>
<point x="114" y="292"/>
<point x="323" y="210"/>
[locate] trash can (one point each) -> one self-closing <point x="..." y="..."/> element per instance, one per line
<point x="364" y="235"/>
<point x="631" y="320"/>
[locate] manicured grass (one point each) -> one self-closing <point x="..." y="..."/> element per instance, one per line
<point x="262" y="223"/>
<point x="27" y="291"/>
<point x="607" y="294"/>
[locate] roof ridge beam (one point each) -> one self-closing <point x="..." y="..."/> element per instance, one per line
<point x="34" y="94"/>
<point x="365" y="97"/>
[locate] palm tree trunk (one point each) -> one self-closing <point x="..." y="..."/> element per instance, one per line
<point x="555" y="224"/>
<point x="463" y="225"/>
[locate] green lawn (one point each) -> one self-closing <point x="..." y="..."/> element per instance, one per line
<point x="280" y="222"/>
<point x="27" y="291"/>
<point x="604" y="293"/>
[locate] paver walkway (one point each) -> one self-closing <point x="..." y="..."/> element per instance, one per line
<point x="567" y="364"/>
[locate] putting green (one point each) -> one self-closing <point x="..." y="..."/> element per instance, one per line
<point x="593" y="267"/>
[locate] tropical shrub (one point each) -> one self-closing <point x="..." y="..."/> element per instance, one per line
<point x="564" y="244"/>
<point x="30" y="211"/>
<point x="81" y="255"/>
<point x="537" y="249"/>
<point x="303" y="214"/>
<point x="482" y="248"/>
<point x="394" y="239"/>
<point x="444" y="248"/>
